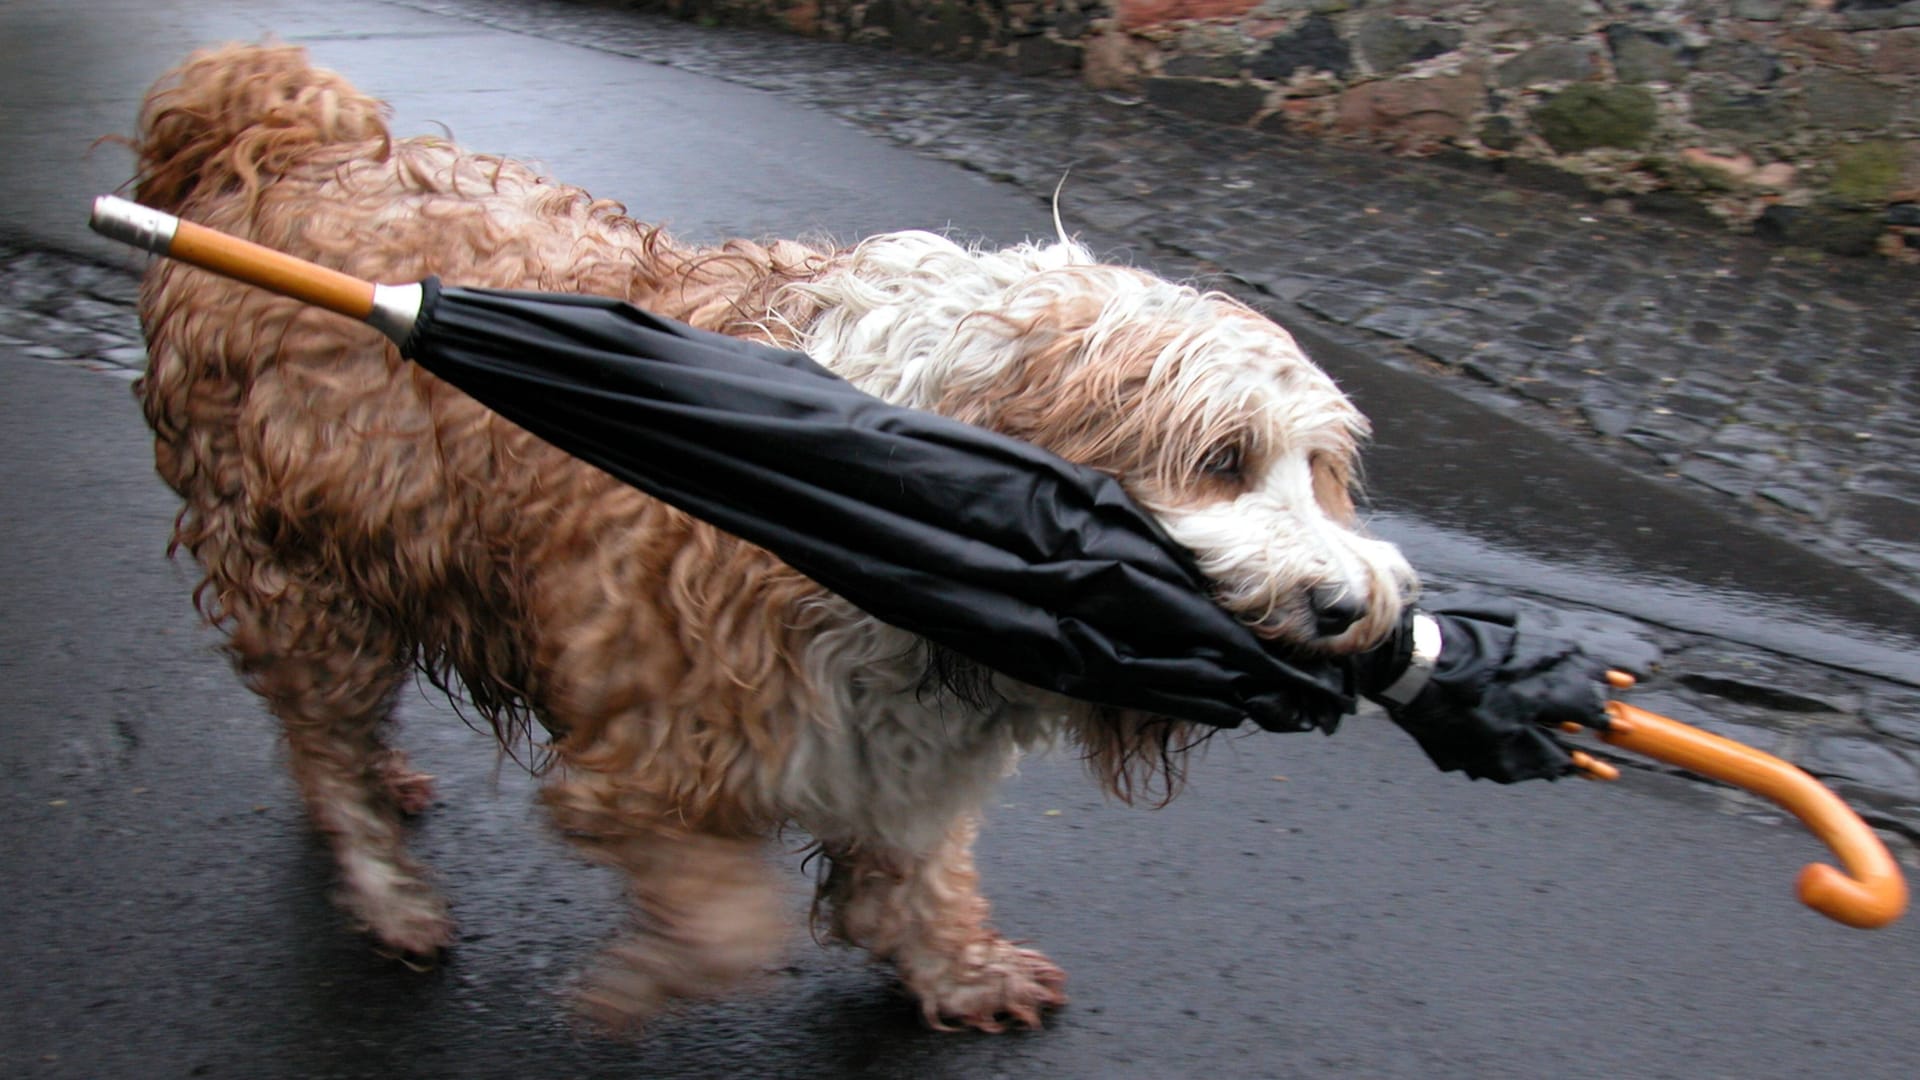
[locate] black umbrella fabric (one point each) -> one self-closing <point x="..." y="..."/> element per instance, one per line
<point x="989" y="546"/>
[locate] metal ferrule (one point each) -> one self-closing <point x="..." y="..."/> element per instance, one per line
<point x="130" y="223"/>
<point x="396" y="308"/>
<point x="1426" y="653"/>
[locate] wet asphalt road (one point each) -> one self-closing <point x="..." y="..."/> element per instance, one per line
<point x="708" y="158"/>
<point x="1310" y="907"/>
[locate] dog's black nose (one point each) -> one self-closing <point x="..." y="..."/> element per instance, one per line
<point x="1334" y="611"/>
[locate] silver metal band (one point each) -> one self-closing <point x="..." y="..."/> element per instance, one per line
<point x="130" y="223"/>
<point x="395" y="309"/>
<point x="1426" y="652"/>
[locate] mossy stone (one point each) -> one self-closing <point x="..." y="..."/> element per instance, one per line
<point x="1583" y="117"/>
<point x="1866" y="174"/>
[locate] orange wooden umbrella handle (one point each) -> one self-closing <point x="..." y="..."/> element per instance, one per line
<point x="1871" y="891"/>
<point x="391" y="309"/>
<point x="230" y="256"/>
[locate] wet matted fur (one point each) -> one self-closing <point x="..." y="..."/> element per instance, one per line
<point x="357" y="520"/>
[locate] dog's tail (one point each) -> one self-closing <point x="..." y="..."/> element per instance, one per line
<point x="232" y="118"/>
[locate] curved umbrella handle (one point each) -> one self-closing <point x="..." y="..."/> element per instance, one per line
<point x="1871" y="891"/>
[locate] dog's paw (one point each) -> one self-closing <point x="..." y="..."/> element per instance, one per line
<point x="418" y="935"/>
<point x="410" y="789"/>
<point x="994" y="986"/>
<point x="619" y="995"/>
<point x="402" y="912"/>
<point x="638" y="976"/>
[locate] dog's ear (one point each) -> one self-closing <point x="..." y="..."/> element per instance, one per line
<point x="1077" y="412"/>
<point x="1334" y="486"/>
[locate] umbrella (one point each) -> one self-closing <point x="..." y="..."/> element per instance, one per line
<point x="1026" y="563"/>
<point x="986" y="545"/>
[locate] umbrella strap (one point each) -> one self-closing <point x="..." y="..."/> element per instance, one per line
<point x="1424" y="653"/>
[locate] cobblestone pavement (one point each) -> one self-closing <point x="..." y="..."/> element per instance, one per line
<point x="1782" y="386"/>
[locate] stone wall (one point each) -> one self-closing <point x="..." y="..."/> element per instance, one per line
<point x="1799" y="119"/>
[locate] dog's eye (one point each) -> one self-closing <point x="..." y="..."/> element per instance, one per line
<point x="1226" y="460"/>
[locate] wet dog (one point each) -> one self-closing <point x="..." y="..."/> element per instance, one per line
<point x="358" y="520"/>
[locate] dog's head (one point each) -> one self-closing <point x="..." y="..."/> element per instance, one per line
<point x="1209" y="413"/>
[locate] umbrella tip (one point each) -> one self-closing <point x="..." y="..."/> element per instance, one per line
<point x="130" y="223"/>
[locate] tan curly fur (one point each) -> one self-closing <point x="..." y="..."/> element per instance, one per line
<point x="357" y="519"/>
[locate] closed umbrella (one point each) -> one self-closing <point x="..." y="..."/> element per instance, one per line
<point x="989" y="546"/>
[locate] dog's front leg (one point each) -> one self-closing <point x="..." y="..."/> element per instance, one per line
<point x="710" y="910"/>
<point x="925" y="913"/>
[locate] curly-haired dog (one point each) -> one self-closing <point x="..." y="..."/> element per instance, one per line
<point x="358" y="519"/>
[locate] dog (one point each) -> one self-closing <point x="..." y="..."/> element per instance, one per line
<point x="691" y="696"/>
